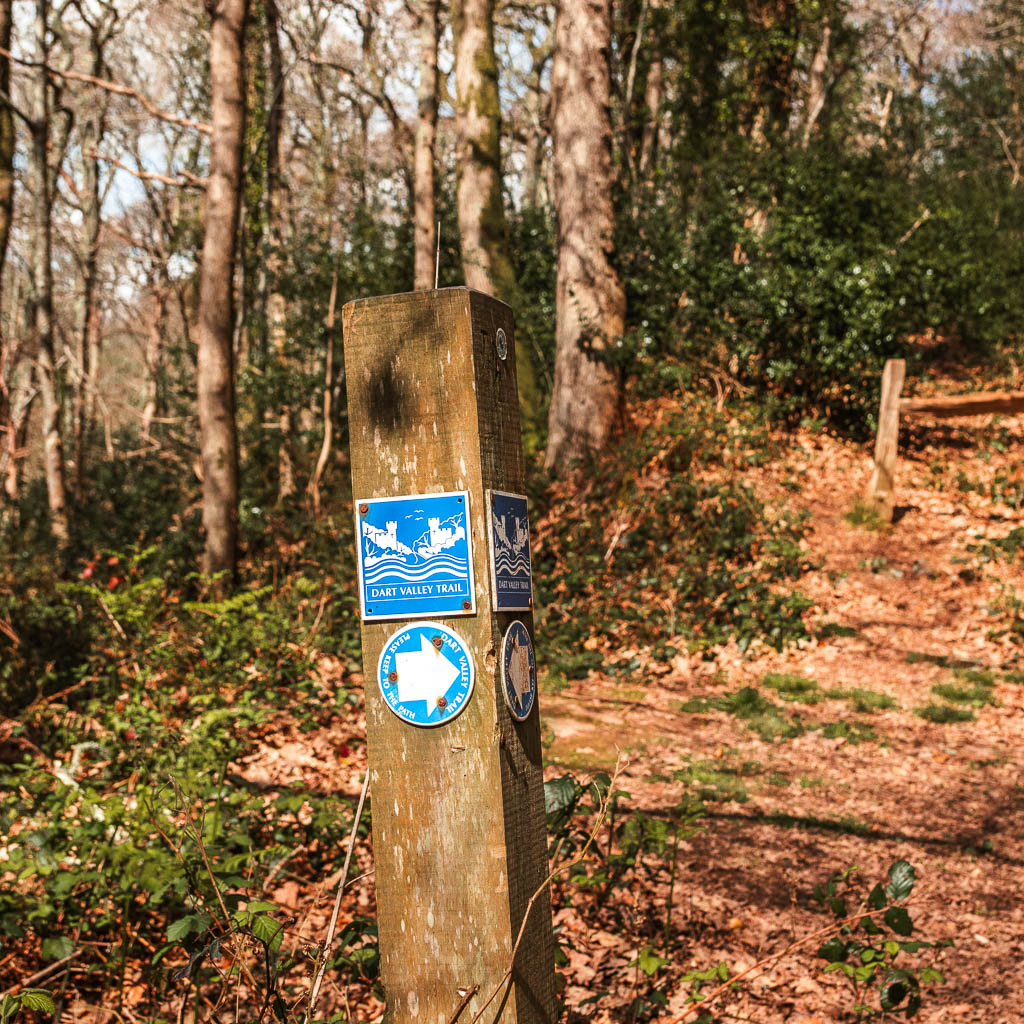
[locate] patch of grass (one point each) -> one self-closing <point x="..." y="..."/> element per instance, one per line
<point x="864" y="702"/>
<point x="852" y="732"/>
<point x="811" y="782"/>
<point x="974" y="696"/>
<point x="792" y="687"/>
<point x="835" y="629"/>
<point x="768" y="720"/>
<point x="916" y="657"/>
<point x="777" y="779"/>
<point x="979" y="677"/>
<point x="944" y="714"/>
<point x="553" y="682"/>
<point x="865" y="517"/>
<point x="846" y="825"/>
<point x="1013" y="677"/>
<point x="1008" y="548"/>
<point x="713" y="782"/>
<point x="628" y="694"/>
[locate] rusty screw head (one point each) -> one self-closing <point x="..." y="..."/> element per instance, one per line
<point x="438" y="641"/>
<point x="363" y="508"/>
<point x="467" y="606"/>
<point x="442" y="703"/>
<point x="392" y="677"/>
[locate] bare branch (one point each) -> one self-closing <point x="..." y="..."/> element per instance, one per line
<point x="187" y="179"/>
<point x="115" y="87"/>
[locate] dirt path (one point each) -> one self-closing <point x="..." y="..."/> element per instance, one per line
<point x="862" y="784"/>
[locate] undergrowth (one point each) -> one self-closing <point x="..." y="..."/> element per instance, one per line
<point x="665" y="547"/>
<point x="128" y="823"/>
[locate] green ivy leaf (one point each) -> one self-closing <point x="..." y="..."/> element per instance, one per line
<point x="267" y="930"/>
<point x="649" y="962"/>
<point x="57" y="948"/>
<point x="899" y="920"/>
<point x="876" y="898"/>
<point x="559" y="794"/>
<point x="178" y="930"/>
<point x="901" y="880"/>
<point x="893" y="993"/>
<point x="834" y="951"/>
<point x="37" y="999"/>
<point x="261" y="907"/>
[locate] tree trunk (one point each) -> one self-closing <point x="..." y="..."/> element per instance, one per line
<point x="6" y="207"/>
<point x="652" y="121"/>
<point x="776" y="25"/>
<point x="84" y="414"/>
<point x="6" y="139"/>
<point x="17" y="441"/>
<point x="154" y="358"/>
<point x="42" y="273"/>
<point x="277" y="306"/>
<point x="816" y="91"/>
<point x="425" y="224"/>
<point x="590" y="299"/>
<point x="482" y="228"/>
<point x="216" y="371"/>
<point x="536" y="103"/>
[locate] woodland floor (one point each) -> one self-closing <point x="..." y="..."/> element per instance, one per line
<point x="946" y="797"/>
<point x="786" y="814"/>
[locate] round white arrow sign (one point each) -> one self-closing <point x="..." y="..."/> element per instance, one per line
<point x="425" y="673"/>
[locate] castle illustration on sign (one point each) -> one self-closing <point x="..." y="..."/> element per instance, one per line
<point x="416" y="556"/>
<point x="438" y="538"/>
<point x="512" y="542"/>
<point x="511" y="572"/>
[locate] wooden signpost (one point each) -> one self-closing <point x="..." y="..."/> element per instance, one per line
<point x="455" y="779"/>
<point x="882" y="489"/>
<point x="881" y="493"/>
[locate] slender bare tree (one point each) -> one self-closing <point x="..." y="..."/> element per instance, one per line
<point x="590" y="299"/>
<point x="6" y="209"/>
<point x="216" y="369"/>
<point x="425" y="225"/>
<point x="92" y="126"/>
<point x="42" y="279"/>
<point x="482" y="227"/>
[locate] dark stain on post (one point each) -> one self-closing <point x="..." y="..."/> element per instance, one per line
<point x="386" y="401"/>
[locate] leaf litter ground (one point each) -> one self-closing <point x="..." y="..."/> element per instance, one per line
<point x="808" y="761"/>
<point x="897" y="612"/>
<point x="856" y="783"/>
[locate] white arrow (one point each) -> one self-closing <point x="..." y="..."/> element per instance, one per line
<point x="425" y="674"/>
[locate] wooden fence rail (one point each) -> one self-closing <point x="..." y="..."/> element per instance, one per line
<point x="881" y="492"/>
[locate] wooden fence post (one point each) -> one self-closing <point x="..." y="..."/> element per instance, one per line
<point x="881" y="493"/>
<point x="458" y="809"/>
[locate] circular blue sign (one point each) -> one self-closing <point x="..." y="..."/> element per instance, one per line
<point x="425" y="673"/>
<point x="518" y="671"/>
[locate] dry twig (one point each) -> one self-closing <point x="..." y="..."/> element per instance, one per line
<point x="602" y="813"/>
<point x="326" y="951"/>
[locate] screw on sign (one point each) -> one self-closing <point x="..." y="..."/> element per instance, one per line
<point x="456" y="769"/>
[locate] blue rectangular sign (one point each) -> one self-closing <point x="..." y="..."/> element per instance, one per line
<point x="511" y="571"/>
<point x="415" y="556"/>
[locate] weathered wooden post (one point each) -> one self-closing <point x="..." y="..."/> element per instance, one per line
<point x="450" y="675"/>
<point x="881" y="493"/>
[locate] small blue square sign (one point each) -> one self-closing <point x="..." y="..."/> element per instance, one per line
<point x="415" y="556"/>
<point x="511" y="571"/>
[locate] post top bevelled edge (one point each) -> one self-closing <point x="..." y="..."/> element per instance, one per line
<point x="402" y="297"/>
